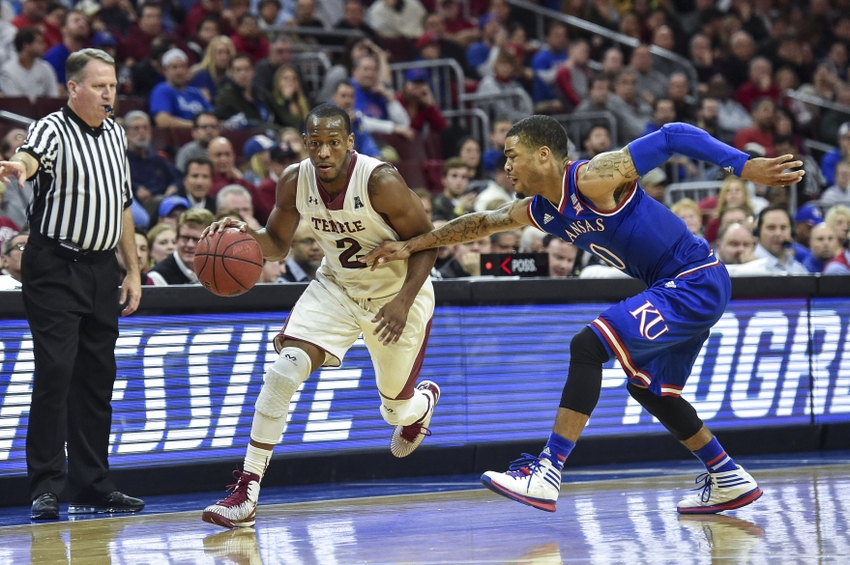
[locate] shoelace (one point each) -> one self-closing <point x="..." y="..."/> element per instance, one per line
<point x="238" y="490"/>
<point x="524" y="466"/>
<point x="706" y="481"/>
<point x="411" y="432"/>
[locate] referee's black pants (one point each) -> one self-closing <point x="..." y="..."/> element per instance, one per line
<point x="72" y="309"/>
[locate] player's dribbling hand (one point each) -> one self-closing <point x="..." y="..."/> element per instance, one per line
<point x="223" y="224"/>
<point x="773" y="172"/>
<point x="384" y="253"/>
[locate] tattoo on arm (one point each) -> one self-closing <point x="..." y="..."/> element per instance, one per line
<point x="617" y="165"/>
<point x="471" y="227"/>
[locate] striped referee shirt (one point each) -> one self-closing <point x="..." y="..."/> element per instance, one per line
<point x="83" y="181"/>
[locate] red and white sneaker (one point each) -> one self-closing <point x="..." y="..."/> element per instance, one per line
<point x="530" y="480"/>
<point x="407" y="438"/>
<point x="721" y="491"/>
<point x="239" y="508"/>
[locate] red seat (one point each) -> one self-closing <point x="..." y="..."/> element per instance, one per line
<point x="160" y="138"/>
<point x="20" y="105"/>
<point x="408" y="149"/>
<point x="411" y="171"/>
<point x="432" y="169"/>
<point x="124" y="104"/>
<point x="238" y="137"/>
<point x="180" y="136"/>
<point x="433" y="145"/>
<point x="400" y="49"/>
<point x="46" y="106"/>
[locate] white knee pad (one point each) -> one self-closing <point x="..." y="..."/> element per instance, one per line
<point x="404" y="412"/>
<point x="283" y="378"/>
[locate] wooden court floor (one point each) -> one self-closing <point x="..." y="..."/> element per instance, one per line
<point x="803" y="518"/>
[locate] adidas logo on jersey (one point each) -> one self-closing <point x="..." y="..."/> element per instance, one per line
<point x="729" y="170"/>
<point x="670" y="284"/>
<point x="547" y="218"/>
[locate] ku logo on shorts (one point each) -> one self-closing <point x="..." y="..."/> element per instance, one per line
<point x="649" y="318"/>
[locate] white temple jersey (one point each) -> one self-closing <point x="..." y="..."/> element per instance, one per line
<point x="347" y="228"/>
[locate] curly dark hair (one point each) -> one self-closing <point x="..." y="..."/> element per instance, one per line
<point x="541" y="131"/>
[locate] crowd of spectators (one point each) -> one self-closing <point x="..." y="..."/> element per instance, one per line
<point x="224" y="72"/>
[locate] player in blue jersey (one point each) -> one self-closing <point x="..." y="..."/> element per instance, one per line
<point x="598" y="206"/>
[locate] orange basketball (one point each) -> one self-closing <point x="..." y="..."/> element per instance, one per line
<point x="228" y="263"/>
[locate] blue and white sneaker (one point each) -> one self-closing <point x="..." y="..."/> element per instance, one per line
<point x="721" y="491"/>
<point x="532" y="481"/>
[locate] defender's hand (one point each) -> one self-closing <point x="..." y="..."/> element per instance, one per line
<point x="223" y="224"/>
<point x="773" y="172"/>
<point x="386" y="252"/>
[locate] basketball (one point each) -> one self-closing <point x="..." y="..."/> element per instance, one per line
<point x="229" y="262"/>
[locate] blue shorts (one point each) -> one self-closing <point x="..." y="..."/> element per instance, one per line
<point x="658" y="333"/>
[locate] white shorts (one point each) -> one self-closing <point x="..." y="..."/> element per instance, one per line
<point x="328" y="318"/>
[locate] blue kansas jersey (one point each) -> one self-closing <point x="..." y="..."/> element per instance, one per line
<point x="657" y="334"/>
<point x="640" y="237"/>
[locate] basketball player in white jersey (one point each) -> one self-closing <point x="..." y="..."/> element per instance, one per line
<point x="352" y="203"/>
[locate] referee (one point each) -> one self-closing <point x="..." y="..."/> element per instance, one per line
<point x="76" y="160"/>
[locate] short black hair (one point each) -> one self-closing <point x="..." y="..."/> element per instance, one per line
<point x="203" y="161"/>
<point x="766" y="211"/>
<point x="26" y="36"/>
<point x="539" y="131"/>
<point x="593" y="127"/>
<point x="548" y="238"/>
<point x="196" y="118"/>
<point x="239" y="56"/>
<point x="329" y="111"/>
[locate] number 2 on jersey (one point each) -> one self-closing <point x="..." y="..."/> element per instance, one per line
<point x="348" y="258"/>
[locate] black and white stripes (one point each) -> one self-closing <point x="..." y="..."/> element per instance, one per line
<point x="83" y="181"/>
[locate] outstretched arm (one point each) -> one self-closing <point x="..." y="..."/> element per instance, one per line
<point x="608" y="171"/>
<point x="469" y="227"/>
<point x="20" y="166"/>
<point x="391" y="197"/>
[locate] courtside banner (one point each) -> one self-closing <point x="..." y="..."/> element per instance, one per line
<point x="187" y="383"/>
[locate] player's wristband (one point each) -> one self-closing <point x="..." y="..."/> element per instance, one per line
<point x="654" y="149"/>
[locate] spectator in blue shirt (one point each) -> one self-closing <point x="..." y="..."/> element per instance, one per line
<point x="546" y="61"/>
<point x="173" y="102"/>
<point x="75" y="35"/>
<point x="372" y="98"/>
<point x="842" y="153"/>
<point x="482" y="54"/>
<point x="364" y="143"/>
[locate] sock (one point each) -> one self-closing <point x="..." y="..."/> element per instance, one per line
<point x="714" y="457"/>
<point x="557" y="450"/>
<point x="256" y="460"/>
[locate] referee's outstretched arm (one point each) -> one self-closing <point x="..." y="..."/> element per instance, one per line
<point x="21" y="165"/>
